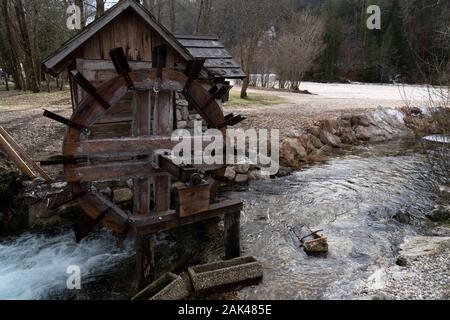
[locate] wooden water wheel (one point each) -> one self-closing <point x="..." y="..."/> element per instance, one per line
<point x="143" y="157"/>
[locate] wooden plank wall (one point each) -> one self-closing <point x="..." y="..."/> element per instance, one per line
<point x="131" y="33"/>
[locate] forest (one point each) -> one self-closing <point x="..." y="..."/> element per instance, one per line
<point x="284" y="42"/>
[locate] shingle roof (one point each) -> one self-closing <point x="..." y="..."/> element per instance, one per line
<point x="219" y="62"/>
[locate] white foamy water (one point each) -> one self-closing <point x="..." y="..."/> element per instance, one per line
<point x="34" y="266"/>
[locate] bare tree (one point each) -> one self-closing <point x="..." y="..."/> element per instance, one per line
<point x="13" y="49"/>
<point x="28" y="47"/>
<point x="297" y="46"/>
<point x="204" y="16"/>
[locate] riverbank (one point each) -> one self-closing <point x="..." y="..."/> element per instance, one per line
<point x="421" y="272"/>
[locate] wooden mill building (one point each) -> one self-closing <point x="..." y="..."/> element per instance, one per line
<point x="132" y="84"/>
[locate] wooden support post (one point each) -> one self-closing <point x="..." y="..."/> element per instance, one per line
<point x="232" y="235"/>
<point x="145" y="260"/>
<point x="163" y="127"/>
<point x="142" y="127"/>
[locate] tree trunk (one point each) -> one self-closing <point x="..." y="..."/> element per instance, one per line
<point x="245" y="85"/>
<point x="172" y="8"/>
<point x="14" y="50"/>
<point x="100" y="9"/>
<point x="6" y="81"/>
<point x="204" y="17"/>
<point x="61" y="85"/>
<point x="47" y="79"/>
<point x="27" y="46"/>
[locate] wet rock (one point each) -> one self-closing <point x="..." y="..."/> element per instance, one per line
<point x="370" y="133"/>
<point x="59" y="185"/>
<point x="107" y="192"/>
<point x="284" y="172"/>
<point x="360" y="120"/>
<point x="316" y="246"/>
<point x="329" y="125"/>
<point x="401" y="261"/>
<point x="30" y="184"/>
<point x="257" y="175"/>
<point x="347" y="135"/>
<point x="122" y="195"/>
<point x="440" y="214"/>
<point x="445" y="191"/>
<point x="241" y="178"/>
<point x="315" y="141"/>
<point x="292" y="153"/>
<point x="402" y="217"/>
<point x="230" y="173"/>
<point x="330" y="139"/>
<point x="182" y="102"/>
<point x="182" y="124"/>
<point x="242" y="168"/>
<point x="314" y="130"/>
<point x="179" y="115"/>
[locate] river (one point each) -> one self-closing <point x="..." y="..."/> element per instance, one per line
<point x="353" y="198"/>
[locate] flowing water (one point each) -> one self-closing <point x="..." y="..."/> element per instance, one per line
<point x="353" y="198"/>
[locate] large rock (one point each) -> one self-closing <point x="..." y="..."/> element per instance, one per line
<point x="440" y="214"/>
<point x="330" y="139"/>
<point x="445" y="191"/>
<point x="360" y="120"/>
<point x="241" y="178"/>
<point x="242" y="168"/>
<point x="292" y="153"/>
<point x="347" y="135"/>
<point x="230" y="173"/>
<point x="315" y="141"/>
<point x="372" y="134"/>
<point x="122" y="195"/>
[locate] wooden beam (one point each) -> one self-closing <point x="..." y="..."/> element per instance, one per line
<point x="120" y="147"/>
<point x="232" y="235"/>
<point x="170" y="220"/>
<point x="24" y="155"/>
<point x="145" y="260"/>
<point x="110" y="171"/>
<point x="15" y="157"/>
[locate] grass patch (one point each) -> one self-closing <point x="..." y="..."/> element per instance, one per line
<point x="253" y="99"/>
<point x="28" y="99"/>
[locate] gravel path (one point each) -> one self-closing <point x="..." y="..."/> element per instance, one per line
<point x="327" y="100"/>
<point x="21" y="115"/>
